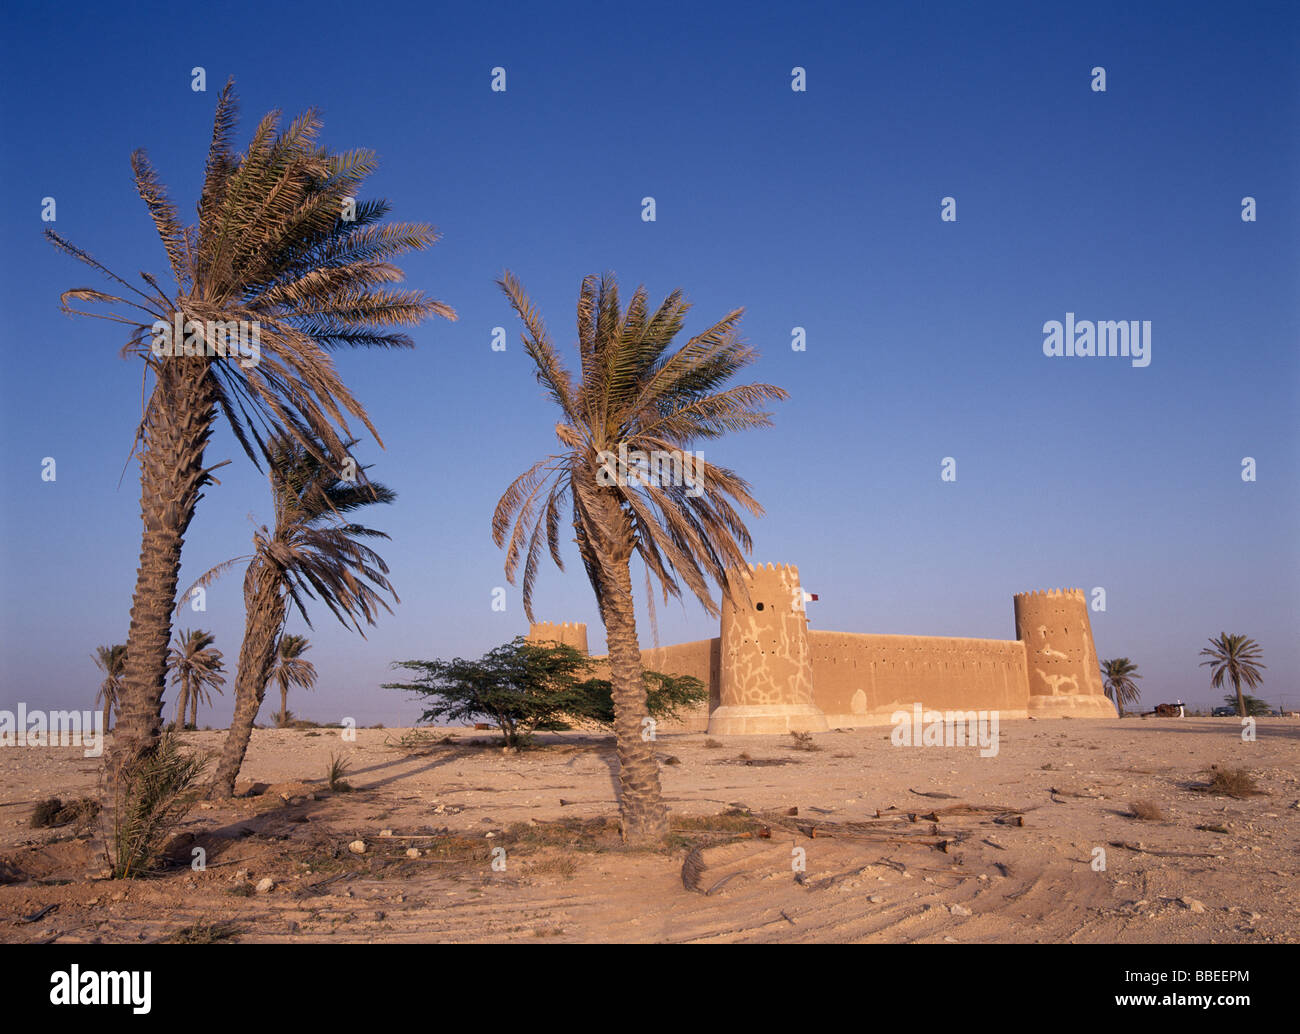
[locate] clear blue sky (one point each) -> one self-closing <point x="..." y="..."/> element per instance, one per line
<point x="818" y="209"/>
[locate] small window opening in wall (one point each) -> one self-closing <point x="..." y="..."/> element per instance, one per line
<point x="758" y="606"/>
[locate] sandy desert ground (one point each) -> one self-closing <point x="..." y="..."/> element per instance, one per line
<point x="899" y="844"/>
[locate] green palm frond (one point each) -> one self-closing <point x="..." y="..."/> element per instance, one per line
<point x="638" y="392"/>
<point x="1118" y="680"/>
<point x="270" y="246"/>
<point x="111" y="660"/>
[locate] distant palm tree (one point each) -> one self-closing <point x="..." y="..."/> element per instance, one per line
<point x="640" y="395"/>
<point x="281" y="244"/>
<point x="1117" y="677"/>
<point x="197" y="669"/>
<point x="111" y="660"/>
<point x="313" y="552"/>
<point x="291" y="669"/>
<point x="1235" y="657"/>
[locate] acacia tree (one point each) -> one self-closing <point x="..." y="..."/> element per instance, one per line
<point x="197" y="668"/>
<point x="524" y="686"/>
<point x="637" y="400"/>
<point x="1235" y="658"/>
<point x="291" y="669"/>
<point x="313" y="551"/>
<point x="111" y="660"/>
<point x="521" y="686"/>
<point x="1118" y="675"/>
<point x="281" y="243"/>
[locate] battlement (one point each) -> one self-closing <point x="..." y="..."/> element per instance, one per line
<point x="788" y="570"/>
<point x="1045" y="593"/>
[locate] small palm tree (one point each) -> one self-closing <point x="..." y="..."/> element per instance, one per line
<point x="1236" y="658"/>
<point x="291" y="669"/>
<point x="1118" y="676"/>
<point x="111" y="660"/>
<point x="313" y="552"/>
<point x="281" y="244"/>
<point x="637" y="397"/>
<point x="197" y="668"/>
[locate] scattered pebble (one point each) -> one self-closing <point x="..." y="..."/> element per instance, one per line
<point x="357" y="847"/>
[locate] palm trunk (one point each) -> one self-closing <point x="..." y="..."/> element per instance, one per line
<point x="108" y="713"/>
<point x="182" y="704"/>
<point x="263" y="620"/>
<point x="645" y="819"/>
<point x="194" y="707"/>
<point x="641" y="807"/>
<point x="178" y="424"/>
<point x="1241" y="700"/>
<point x="284" y="703"/>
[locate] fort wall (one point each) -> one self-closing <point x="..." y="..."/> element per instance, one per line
<point x="862" y="679"/>
<point x="701" y="659"/>
<point x="767" y="672"/>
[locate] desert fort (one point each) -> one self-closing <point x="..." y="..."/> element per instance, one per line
<point x="769" y="673"/>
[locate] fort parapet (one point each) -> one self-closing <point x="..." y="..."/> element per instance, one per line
<point x="767" y="672"/>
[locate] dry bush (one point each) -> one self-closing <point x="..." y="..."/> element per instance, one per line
<point x="1147" y="811"/>
<point x="53" y="812"/>
<point x="562" y="865"/>
<point x="803" y="741"/>
<point x="204" y="933"/>
<point x="1231" y="782"/>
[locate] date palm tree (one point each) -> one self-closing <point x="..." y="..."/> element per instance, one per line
<point x="111" y="660"/>
<point x="291" y="669"/>
<point x="637" y="399"/>
<point x="1235" y="658"/>
<point x="197" y="668"/>
<point x="281" y="242"/>
<point x="312" y="552"/>
<point x="1118" y="675"/>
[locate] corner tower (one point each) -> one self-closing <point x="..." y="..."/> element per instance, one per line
<point x="1064" y="677"/>
<point x="765" y="682"/>
<point x="574" y="635"/>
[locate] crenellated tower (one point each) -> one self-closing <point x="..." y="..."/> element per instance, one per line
<point x="566" y="634"/>
<point x="766" y="683"/>
<point x="1064" y="677"/>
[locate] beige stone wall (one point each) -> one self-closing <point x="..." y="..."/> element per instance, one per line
<point x="702" y="660"/>
<point x="862" y="679"/>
